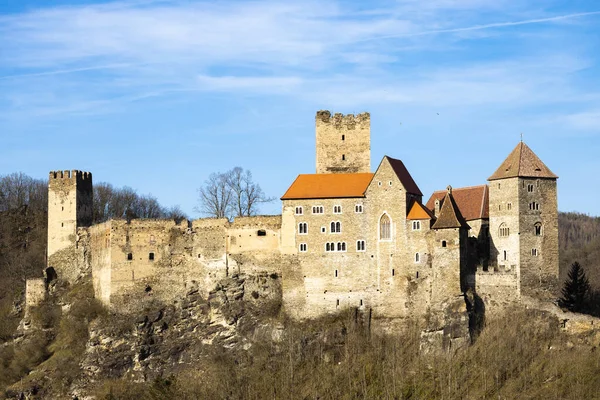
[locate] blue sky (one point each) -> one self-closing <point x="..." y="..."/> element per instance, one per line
<point x="156" y="95"/>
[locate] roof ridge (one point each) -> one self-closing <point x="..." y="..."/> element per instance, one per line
<point x="461" y="188"/>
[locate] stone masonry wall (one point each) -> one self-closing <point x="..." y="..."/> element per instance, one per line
<point x="343" y="143"/>
<point x="539" y="253"/>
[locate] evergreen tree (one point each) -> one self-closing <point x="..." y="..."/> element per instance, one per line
<point x="576" y="289"/>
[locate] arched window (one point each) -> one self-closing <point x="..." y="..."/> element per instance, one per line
<point x="339" y="246"/>
<point x="537" y="229"/>
<point x="504" y="230"/>
<point x="336" y="227"/>
<point x="385" y="231"/>
<point x="302" y="228"/>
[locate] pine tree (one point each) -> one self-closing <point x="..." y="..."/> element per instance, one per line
<point x="576" y="289"/>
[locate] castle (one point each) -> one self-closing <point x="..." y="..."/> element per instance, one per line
<point x="347" y="237"/>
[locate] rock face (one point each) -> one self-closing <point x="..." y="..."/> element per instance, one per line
<point x="165" y="338"/>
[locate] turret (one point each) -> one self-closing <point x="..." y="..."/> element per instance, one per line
<point x="524" y="220"/>
<point x="70" y="200"/>
<point x="343" y="143"/>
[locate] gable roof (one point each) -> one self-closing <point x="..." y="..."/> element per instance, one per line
<point x="450" y="216"/>
<point x="327" y="186"/>
<point x="404" y="176"/>
<point x="473" y="201"/>
<point x="522" y="162"/>
<point x="419" y="211"/>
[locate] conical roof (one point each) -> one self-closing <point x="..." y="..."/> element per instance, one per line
<point x="450" y="216"/>
<point x="522" y="162"/>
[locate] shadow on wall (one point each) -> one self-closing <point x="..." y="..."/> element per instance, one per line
<point x="476" y="310"/>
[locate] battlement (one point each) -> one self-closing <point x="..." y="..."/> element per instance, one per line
<point x="339" y="119"/>
<point x="70" y="174"/>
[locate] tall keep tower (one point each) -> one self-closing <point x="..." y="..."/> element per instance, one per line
<point x="343" y="143"/>
<point x="70" y="200"/>
<point x="524" y="220"/>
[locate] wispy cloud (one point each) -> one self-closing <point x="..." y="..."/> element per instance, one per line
<point x="86" y="58"/>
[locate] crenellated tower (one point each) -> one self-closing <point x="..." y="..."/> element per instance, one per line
<point x="524" y="220"/>
<point x="343" y="143"/>
<point x="70" y="200"/>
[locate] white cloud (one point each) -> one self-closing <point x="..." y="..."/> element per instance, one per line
<point x="89" y="58"/>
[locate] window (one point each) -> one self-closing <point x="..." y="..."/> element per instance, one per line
<point x="417" y="257"/>
<point x="378" y="183"/>
<point x="261" y="232"/>
<point x="336" y="227"/>
<point x="360" y="245"/>
<point x="537" y="229"/>
<point x="390" y="183"/>
<point x="385" y="231"/>
<point x="505" y="254"/>
<point x="504" y="230"/>
<point x="303" y="228"/>
<point x="299" y="210"/>
<point x="358" y="208"/>
<point x="129" y="256"/>
<point x="534" y="206"/>
<point x="317" y="210"/>
<point x="534" y="252"/>
<point x="499" y="207"/>
<point x="443" y="243"/>
<point x="530" y="188"/>
<point x="337" y="209"/>
<point x="151" y="256"/>
<point x="393" y="272"/>
<point x="323" y="229"/>
<point x="343" y="157"/>
<point x="336" y="274"/>
<point x="341" y="246"/>
<point x="303" y="247"/>
<point x="330" y="246"/>
<point x="343" y="137"/>
<point x="416" y="225"/>
<point x="509" y="206"/>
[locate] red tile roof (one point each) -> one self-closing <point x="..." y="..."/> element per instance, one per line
<point x="473" y="201"/>
<point x="450" y="216"/>
<point x="522" y="162"/>
<point x="404" y="176"/>
<point x="327" y="186"/>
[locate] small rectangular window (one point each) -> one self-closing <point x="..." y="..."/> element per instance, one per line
<point x="417" y="257"/>
<point x="299" y="210"/>
<point x="151" y="256"/>
<point x="416" y="225"/>
<point x="261" y="232"/>
<point x="358" y="208"/>
<point x="303" y="247"/>
<point x="534" y="252"/>
<point x="129" y="256"/>
<point x="317" y="210"/>
<point x="336" y="273"/>
<point x="337" y="209"/>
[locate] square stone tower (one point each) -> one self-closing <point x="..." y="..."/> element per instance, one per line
<point x="343" y="143"/>
<point x="524" y="220"/>
<point x="70" y="200"/>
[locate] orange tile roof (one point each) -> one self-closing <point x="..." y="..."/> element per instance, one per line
<point x="327" y="186"/>
<point x="472" y="201"/>
<point x="522" y="162"/>
<point x="419" y="211"/>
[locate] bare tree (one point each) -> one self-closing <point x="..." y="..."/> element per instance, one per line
<point x="231" y="194"/>
<point x="247" y="194"/>
<point x="215" y="196"/>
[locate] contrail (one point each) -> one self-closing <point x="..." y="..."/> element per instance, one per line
<point x="486" y="26"/>
<point x="65" y="71"/>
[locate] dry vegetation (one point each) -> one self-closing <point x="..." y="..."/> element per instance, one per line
<point x="523" y="355"/>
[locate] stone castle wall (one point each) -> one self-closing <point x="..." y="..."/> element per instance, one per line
<point x="343" y="143"/>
